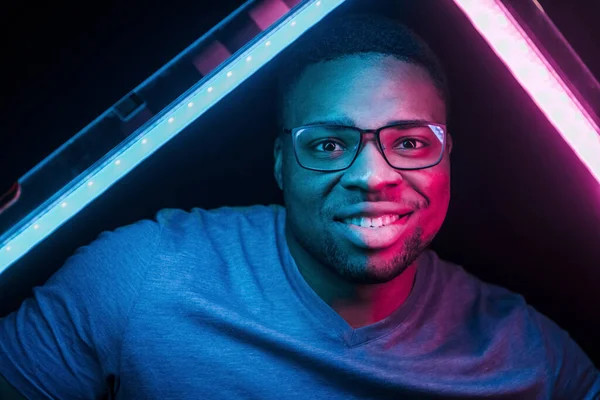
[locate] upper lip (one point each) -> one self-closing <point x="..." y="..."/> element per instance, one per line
<point x="372" y="210"/>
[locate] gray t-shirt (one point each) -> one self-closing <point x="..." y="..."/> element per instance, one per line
<point x="210" y="305"/>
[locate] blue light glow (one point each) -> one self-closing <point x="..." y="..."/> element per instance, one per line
<point x="178" y="117"/>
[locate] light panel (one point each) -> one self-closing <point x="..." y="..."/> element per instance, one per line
<point x="178" y="117"/>
<point x="539" y="79"/>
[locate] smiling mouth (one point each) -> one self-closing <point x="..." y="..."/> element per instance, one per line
<point x="373" y="223"/>
<point x="374" y="233"/>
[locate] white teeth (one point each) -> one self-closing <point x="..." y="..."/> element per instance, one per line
<point x="373" y="222"/>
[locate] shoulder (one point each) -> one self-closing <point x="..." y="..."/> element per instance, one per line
<point x="114" y="251"/>
<point x="488" y="312"/>
<point x="131" y="250"/>
<point x="528" y="336"/>
<point x="467" y="288"/>
<point x="574" y="374"/>
<point x="223" y="222"/>
<point x="175" y="217"/>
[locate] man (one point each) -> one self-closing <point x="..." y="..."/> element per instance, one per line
<point x="335" y="296"/>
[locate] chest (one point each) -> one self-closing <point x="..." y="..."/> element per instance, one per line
<point x="220" y="353"/>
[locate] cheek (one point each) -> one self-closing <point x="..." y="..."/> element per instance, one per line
<point x="434" y="185"/>
<point x="301" y="187"/>
<point x="440" y="188"/>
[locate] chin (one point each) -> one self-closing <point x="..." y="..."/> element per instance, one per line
<point x="374" y="266"/>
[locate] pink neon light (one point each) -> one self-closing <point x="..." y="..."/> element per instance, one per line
<point x="538" y="78"/>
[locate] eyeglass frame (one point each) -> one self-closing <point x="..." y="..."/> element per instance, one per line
<point x="377" y="133"/>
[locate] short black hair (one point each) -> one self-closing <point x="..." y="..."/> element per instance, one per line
<point x="344" y="35"/>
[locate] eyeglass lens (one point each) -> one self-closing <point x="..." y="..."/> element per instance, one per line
<point x="326" y="148"/>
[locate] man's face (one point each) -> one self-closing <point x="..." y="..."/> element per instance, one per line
<point x="368" y="92"/>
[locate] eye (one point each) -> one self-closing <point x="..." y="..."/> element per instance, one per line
<point x="410" y="144"/>
<point x="329" y="145"/>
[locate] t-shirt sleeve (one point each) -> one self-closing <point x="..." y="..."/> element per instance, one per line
<point x="64" y="341"/>
<point x="575" y="375"/>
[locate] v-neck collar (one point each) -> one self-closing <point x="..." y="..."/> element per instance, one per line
<point x="352" y="337"/>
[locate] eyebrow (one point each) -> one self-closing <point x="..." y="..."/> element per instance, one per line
<point x="345" y="121"/>
<point x="333" y="121"/>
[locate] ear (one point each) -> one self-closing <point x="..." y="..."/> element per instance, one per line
<point x="278" y="156"/>
<point x="450" y="143"/>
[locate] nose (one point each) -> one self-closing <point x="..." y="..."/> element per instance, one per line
<point x="370" y="171"/>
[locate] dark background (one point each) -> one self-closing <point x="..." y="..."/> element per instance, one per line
<point x="65" y="64"/>
<point x="525" y="213"/>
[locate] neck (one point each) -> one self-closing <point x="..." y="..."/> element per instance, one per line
<point x="358" y="304"/>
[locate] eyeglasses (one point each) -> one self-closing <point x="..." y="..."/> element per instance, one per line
<point x="405" y="146"/>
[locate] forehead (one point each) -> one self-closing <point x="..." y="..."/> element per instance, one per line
<point x="367" y="91"/>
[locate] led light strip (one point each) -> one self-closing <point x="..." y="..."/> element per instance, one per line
<point x="179" y="116"/>
<point x="537" y="77"/>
